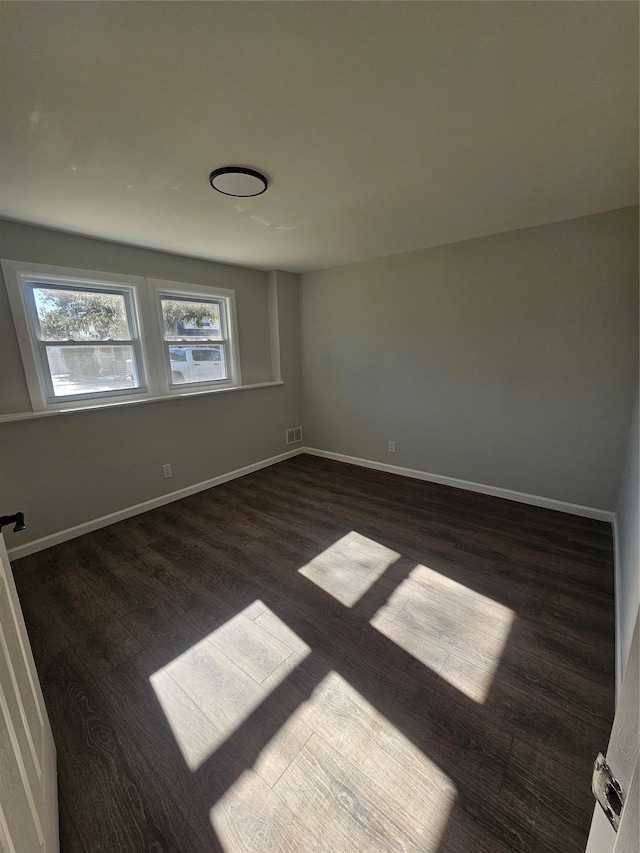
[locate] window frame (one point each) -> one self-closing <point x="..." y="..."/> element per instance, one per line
<point x="159" y="289"/>
<point x="20" y="279"/>
<point x="142" y="301"/>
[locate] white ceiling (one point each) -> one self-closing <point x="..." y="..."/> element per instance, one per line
<point x="382" y="126"/>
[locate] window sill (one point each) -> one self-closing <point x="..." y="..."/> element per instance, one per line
<point x="71" y="409"/>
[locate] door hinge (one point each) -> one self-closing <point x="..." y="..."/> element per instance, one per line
<point x="607" y="791"/>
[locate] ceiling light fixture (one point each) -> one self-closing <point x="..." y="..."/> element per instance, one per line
<point x="238" y="181"/>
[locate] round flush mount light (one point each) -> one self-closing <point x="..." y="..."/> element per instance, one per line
<point x="238" y="181"/>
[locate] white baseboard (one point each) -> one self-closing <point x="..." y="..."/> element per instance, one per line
<point x="136" y="509"/>
<point x="494" y="491"/>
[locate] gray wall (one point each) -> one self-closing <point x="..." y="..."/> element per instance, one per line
<point x="509" y="360"/>
<point x="68" y="469"/>
<point x="628" y="513"/>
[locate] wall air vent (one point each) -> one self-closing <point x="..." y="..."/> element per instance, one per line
<point x="293" y="435"/>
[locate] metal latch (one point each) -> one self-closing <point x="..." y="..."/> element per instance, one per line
<point x="607" y="791"/>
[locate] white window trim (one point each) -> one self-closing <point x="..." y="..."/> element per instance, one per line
<point x="158" y="288"/>
<point x="16" y="273"/>
<point x="145" y="294"/>
<point x="74" y="410"/>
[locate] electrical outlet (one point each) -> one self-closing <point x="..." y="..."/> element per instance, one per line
<point x="392" y="447"/>
<point x="166" y="471"/>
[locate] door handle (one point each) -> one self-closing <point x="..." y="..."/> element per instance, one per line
<point x="17" y="520"/>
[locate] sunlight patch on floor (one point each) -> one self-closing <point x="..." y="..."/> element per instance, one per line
<point x="458" y="632"/>
<point x="196" y="736"/>
<point x="207" y="692"/>
<point x="349" y="567"/>
<point x="354" y="783"/>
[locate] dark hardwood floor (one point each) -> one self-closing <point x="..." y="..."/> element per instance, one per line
<point x="318" y="657"/>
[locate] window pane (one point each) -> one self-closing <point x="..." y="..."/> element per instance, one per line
<point x="197" y="364"/>
<point x="91" y="369"/>
<point x="190" y="319"/>
<point x="77" y="315"/>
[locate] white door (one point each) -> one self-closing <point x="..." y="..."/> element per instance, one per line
<point x="28" y="785"/>
<point x="622" y="758"/>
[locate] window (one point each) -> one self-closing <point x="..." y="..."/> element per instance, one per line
<point x="198" y="336"/>
<point x="87" y="338"/>
<point x="186" y="320"/>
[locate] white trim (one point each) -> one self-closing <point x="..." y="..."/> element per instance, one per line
<point x="149" y="345"/>
<point x="15" y="273"/>
<point x="5" y="838"/>
<point x="26" y="416"/>
<point x="274" y="324"/>
<point x="617" y="591"/>
<point x="145" y="506"/>
<point x="494" y="491"/>
<point x="160" y="287"/>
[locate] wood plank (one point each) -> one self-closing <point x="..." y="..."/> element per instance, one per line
<point x="134" y="690"/>
<point x="458" y="736"/>
<point x="253" y="649"/>
<point x="204" y="672"/>
<point x="339" y="803"/>
<point x="114" y="801"/>
<point x="108" y="645"/>
<point x="70" y="599"/>
<point x="251" y="818"/>
<point x="162" y="631"/>
<point x="46" y="631"/>
<point x="546" y="796"/>
<point x="70" y="840"/>
<point x="392" y="763"/>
